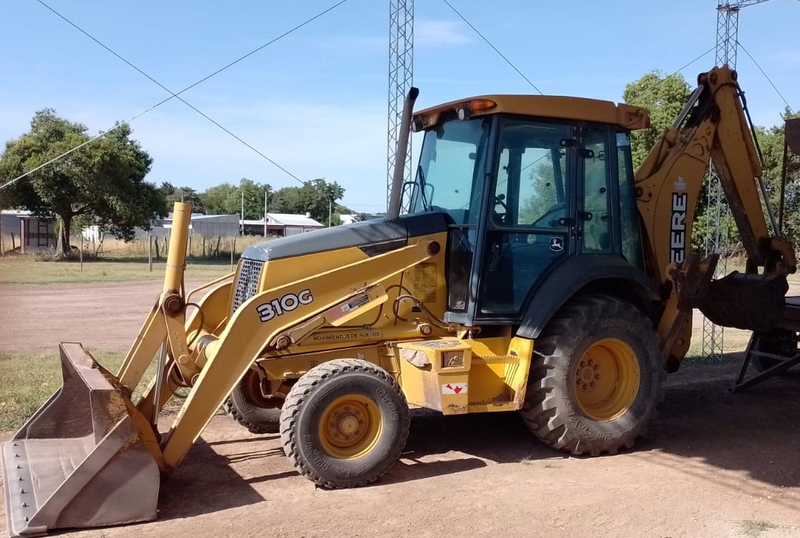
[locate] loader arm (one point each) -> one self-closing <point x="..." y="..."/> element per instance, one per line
<point x="711" y="128"/>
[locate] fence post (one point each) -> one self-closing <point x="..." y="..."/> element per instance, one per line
<point x="233" y="248"/>
<point x="150" y="251"/>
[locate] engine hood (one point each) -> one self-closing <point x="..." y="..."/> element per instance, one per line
<point x="373" y="236"/>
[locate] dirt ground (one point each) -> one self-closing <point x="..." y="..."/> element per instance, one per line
<point x="107" y="316"/>
<point x="713" y="464"/>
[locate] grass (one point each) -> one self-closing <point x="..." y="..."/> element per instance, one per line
<point x="754" y="527"/>
<point x="29" y="380"/>
<point x="119" y="261"/>
<point x="26" y="270"/>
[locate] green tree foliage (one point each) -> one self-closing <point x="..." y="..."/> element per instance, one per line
<point x="103" y="182"/>
<point x="226" y="199"/>
<point x="664" y="97"/>
<point x="771" y="142"/>
<point x="316" y="197"/>
<point x="222" y="199"/>
<point x="188" y="195"/>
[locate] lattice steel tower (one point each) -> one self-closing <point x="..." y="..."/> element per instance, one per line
<point x="401" y="70"/>
<point x="717" y="209"/>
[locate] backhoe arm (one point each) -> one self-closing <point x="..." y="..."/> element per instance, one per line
<point x="711" y="127"/>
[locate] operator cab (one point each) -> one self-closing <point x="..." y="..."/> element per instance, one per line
<point x="526" y="186"/>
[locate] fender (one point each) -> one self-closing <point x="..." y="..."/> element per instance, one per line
<point x="575" y="274"/>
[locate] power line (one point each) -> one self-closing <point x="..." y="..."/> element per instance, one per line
<point x="766" y="77"/>
<point x="514" y="67"/>
<point x="706" y="53"/>
<point x="175" y="94"/>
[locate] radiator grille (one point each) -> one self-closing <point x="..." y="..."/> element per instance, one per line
<point x="246" y="281"/>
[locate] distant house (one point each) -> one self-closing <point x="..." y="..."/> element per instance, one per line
<point x="281" y="225"/>
<point x="204" y="225"/>
<point x="207" y="225"/>
<point x="26" y="232"/>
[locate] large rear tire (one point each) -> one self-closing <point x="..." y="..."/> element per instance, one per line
<point x="248" y="406"/>
<point x="344" y="423"/>
<point x="595" y="378"/>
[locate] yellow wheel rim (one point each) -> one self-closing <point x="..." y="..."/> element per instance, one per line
<point x="350" y="427"/>
<point x="607" y="379"/>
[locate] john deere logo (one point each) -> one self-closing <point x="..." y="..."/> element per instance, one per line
<point x="556" y="244"/>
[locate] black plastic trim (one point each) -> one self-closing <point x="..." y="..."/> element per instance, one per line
<point x="377" y="232"/>
<point x="575" y="274"/>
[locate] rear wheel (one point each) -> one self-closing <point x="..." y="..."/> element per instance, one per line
<point x="596" y="377"/>
<point x="344" y="423"/>
<point x="248" y="405"/>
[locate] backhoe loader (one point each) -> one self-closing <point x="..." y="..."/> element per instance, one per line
<point x="531" y="271"/>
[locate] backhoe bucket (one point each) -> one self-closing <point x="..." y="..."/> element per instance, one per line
<point x="80" y="460"/>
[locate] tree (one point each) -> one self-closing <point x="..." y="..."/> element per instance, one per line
<point x="188" y="195"/>
<point x="103" y="181"/>
<point x="222" y="199"/>
<point x="226" y="199"/>
<point x="664" y="97"/>
<point x="316" y="197"/>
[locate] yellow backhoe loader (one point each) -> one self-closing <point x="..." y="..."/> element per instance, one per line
<point x="532" y="271"/>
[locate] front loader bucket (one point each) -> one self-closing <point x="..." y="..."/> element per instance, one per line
<point x="80" y="460"/>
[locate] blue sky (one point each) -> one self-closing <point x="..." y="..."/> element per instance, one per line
<point x="315" y="101"/>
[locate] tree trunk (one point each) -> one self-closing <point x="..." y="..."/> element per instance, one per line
<point x="63" y="248"/>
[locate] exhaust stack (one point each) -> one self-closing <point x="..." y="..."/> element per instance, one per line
<point x="393" y="211"/>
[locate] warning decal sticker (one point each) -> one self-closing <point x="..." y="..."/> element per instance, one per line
<point x="454" y="388"/>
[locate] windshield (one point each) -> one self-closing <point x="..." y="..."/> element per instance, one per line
<point x="450" y="173"/>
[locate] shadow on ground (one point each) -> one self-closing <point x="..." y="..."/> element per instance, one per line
<point x="205" y="483"/>
<point x="699" y="424"/>
<point x="756" y="431"/>
<point x="701" y="429"/>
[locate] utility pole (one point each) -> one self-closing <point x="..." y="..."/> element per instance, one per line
<point x="265" y="212"/>
<point x="242" y="212"/>
<point x="716" y="208"/>
<point x="330" y="211"/>
<point x="401" y="71"/>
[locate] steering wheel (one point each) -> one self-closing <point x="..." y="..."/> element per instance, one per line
<point x="552" y="223"/>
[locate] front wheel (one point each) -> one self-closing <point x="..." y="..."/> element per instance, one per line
<point x="248" y="405"/>
<point x="344" y="423"/>
<point x="595" y="378"/>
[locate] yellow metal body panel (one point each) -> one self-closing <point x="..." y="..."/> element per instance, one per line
<point x="256" y="323"/>
<point x="547" y="106"/>
<point x="669" y="182"/>
<point x="465" y="376"/>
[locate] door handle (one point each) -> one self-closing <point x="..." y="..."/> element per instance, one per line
<point x="495" y="257"/>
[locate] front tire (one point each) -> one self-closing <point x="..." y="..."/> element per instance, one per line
<point x="595" y="378"/>
<point x="344" y="423"/>
<point x="248" y="406"/>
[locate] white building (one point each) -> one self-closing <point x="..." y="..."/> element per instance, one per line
<point x="21" y="230"/>
<point x="281" y="225"/>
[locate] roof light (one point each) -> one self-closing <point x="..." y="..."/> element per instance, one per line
<point x="481" y="104"/>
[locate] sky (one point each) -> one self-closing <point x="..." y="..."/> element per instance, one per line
<point x="315" y="101"/>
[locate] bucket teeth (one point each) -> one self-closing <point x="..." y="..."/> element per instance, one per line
<point x="80" y="460"/>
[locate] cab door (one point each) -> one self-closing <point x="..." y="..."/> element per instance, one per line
<point x="530" y="224"/>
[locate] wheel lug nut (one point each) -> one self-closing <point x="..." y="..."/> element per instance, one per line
<point x="593" y="384"/>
